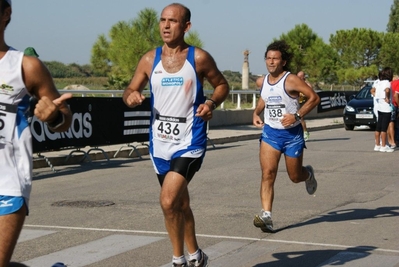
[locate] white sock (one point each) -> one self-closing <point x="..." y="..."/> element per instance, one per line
<point x="267" y="214"/>
<point x="195" y="256"/>
<point x="179" y="260"/>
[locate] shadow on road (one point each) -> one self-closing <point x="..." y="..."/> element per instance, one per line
<point x="349" y="215"/>
<point x="309" y="258"/>
<point x="84" y="167"/>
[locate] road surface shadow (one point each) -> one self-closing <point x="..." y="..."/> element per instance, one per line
<point x="349" y="215"/>
<point x="318" y="258"/>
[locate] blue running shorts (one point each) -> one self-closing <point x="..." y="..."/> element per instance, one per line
<point x="288" y="141"/>
<point x="10" y="204"/>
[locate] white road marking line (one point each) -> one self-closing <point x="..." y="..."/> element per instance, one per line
<point x="94" y="251"/>
<point x="212" y="236"/>
<point x="27" y="234"/>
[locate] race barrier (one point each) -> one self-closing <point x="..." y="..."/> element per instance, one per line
<point x="332" y="100"/>
<point x="103" y="121"/>
<point x="96" y="121"/>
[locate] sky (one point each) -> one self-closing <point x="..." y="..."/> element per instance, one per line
<point x="65" y="31"/>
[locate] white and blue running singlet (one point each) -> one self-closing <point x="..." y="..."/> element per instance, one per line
<point x="175" y="131"/>
<point x="15" y="137"/>
<point x="278" y="102"/>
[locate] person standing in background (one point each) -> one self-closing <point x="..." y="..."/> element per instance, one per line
<point x="382" y="93"/>
<point x="395" y="102"/>
<point x="179" y="114"/>
<point x="21" y="77"/>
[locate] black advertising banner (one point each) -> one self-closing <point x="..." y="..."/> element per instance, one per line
<point x="330" y="100"/>
<point x="96" y="121"/>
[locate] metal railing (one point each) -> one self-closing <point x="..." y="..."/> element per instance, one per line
<point x="236" y="95"/>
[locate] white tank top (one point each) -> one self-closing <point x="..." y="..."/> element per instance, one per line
<point x="380" y="87"/>
<point x="277" y="102"/>
<point x="175" y="98"/>
<point x="15" y="141"/>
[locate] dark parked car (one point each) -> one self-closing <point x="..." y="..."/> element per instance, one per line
<point x="359" y="110"/>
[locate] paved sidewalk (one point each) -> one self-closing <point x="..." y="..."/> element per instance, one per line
<point x="220" y="135"/>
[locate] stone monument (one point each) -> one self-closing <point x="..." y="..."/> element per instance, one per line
<point x="245" y="71"/>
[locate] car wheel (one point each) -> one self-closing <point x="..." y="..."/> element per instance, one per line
<point x="349" y="127"/>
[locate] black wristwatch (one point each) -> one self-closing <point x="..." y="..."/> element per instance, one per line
<point x="297" y="116"/>
<point x="214" y="106"/>
<point x="57" y="122"/>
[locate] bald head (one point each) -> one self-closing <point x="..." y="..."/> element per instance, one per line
<point x="186" y="11"/>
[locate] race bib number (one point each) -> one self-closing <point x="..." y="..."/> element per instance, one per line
<point x="275" y="112"/>
<point x="8" y="114"/>
<point x="169" y="129"/>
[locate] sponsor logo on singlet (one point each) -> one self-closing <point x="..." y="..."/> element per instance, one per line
<point x="6" y="89"/>
<point x="175" y="81"/>
<point x="274" y="99"/>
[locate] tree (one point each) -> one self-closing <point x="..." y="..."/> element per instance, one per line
<point x="60" y="70"/>
<point x="320" y="63"/>
<point x="300" y="39"/>
<point x="311" y="54"/>
<point x="192" y="38"/>
<point x="389" y="55"/>
<point x="99" y="58"/>
<point x="129" y="41"/>
<point x="393" y="23"/>
<point x="358" y="51"/>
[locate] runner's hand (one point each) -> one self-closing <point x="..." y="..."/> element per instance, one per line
<point x="204" y="112"/>
<point x="46" y="109"/>
<point x="134" y="99"/>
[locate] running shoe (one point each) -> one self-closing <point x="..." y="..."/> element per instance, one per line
<point x="311" y="183"/>
<point x="306" y="136"/>
<point x="377" y="148"/>
<point x="392" y="146"/>
<point x="264" y="223"/>
<point x="58" y="264"/>
<point x="202" y="263"/>
<point x="386" y="149"/>
<point x="179" y="265"/>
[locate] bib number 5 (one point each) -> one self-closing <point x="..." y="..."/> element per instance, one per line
<point x="2" y="123"/>
<point x="7" y="121"/>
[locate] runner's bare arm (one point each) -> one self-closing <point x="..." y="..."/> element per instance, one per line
<point x="295" y="86"/>
<point x="207" y="69"/>
<point x="132" y="96"/>
<point x="51" y="107"/>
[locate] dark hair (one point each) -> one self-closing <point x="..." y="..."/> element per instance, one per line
<point x="386" y="74"/>
<point x="284" y="48"/>
<point x="187" y="12"/>
<point x="4" y="4"/>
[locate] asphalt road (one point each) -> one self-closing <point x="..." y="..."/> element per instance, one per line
<point x="107" y="214"/>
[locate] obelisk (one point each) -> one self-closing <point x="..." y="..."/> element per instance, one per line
<point x="245" y="71"/>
